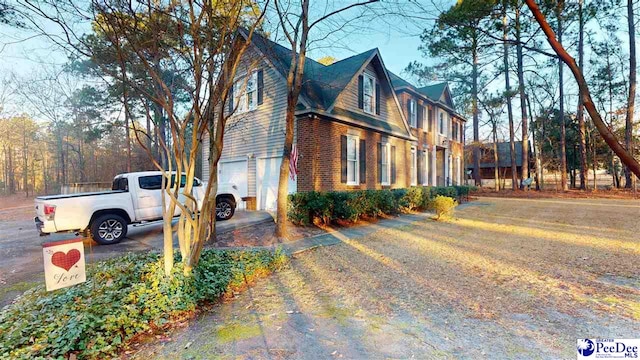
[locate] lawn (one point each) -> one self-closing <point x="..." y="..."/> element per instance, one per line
<point x="508" y="278"/>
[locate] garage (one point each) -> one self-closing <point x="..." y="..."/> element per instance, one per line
<point x="267" y="175"/>
<point x="235" y="172"/>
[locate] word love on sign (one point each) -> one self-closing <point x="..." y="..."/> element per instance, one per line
<point x="63" y="263"/>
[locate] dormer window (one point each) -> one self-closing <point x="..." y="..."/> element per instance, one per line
<point x="413" y="113"/>
<point x="369" y="94"/>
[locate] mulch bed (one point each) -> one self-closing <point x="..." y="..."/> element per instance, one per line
<point x="570" y="194"/>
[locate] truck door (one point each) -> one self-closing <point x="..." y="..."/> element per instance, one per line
<point x="149" y="197"/>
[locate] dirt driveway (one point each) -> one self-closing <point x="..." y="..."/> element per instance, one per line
<point x="509" y="279"/>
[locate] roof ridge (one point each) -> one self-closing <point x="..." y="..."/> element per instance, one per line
<point x="352" y="56"/>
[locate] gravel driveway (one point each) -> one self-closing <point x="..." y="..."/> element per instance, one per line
<point x="508" y="279"/>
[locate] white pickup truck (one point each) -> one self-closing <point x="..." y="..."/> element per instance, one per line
<point x="135" y="198"/>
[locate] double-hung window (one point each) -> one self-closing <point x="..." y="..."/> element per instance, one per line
<point x="454" y="131"/>
<point x="441" y="125"/>
<point x="385" y="163"/>
<point x="248" y="99"/>
<point x="353" y="151"/>
<point x="414" y="166"/>
<point x="369" y="94"/>
<point x="413" y="113"/>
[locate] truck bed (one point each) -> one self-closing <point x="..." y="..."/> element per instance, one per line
<point x="67" y="196"/>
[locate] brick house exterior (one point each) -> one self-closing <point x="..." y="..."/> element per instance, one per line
<point x="358" y="126"/>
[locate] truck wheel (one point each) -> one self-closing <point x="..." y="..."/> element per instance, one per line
<point x="224" y="209"/>
<point x="108" y="229"/>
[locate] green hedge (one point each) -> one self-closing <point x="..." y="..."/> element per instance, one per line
<point x="331" y="206"/>
<point x="122" y="297"/>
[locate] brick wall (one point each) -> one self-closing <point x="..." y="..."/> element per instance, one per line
<point x="319" y="163"/>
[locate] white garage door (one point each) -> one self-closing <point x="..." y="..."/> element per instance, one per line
<point x="268" y="172"/>
<point x="235" y="172"/>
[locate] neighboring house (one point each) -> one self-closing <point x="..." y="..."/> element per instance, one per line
<point x="358" y="126"/>
<point x="487" y="161"/>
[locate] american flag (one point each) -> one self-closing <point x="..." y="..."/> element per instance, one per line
<point x="293" y="163"/>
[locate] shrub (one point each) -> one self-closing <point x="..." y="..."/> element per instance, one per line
<point x="122" y="297"/>
<point x="443" y="206"/>
<point x="416" y="197"/>
<point x="351" y="206"/>
<point x="345" y="205"/>
<point x="386" y="202"/>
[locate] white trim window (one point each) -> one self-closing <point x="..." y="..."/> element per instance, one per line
<point x="413" y="113"/>
<point x="369" y="94"/>
<point x="248" y="100"/>
<point x="425" y="170"/>
<point x="385" y="163"/>
<point x="441" y="125"/>
<point x="353" y="161"/>
<point x="414" y="166"/>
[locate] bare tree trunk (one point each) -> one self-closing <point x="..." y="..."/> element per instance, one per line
<point x="25" y="175"/>
<point x="536" y="153"/>
<point x="505" y="60"/>
<point x="563" y="130"/>
<point x="126" y="128"/>
<point x="476" y="117"/>
<point x="523" y="103"/>
<point x="294" y="83"/>
<point x="628" y="136"/>
<point x="496" y="160"/>
<point x="580" y="113"/>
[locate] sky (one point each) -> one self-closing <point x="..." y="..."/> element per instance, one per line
<point x="23" y="53"/>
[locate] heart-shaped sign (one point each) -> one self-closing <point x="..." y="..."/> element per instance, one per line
<point x="65" y="261"/>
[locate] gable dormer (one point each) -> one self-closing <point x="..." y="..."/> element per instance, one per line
<point x="370" y="96"/>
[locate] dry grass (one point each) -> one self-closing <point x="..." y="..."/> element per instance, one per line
<point x="512" y="278"/>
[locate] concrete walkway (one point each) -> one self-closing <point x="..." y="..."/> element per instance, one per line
<point x="338" y="235"/>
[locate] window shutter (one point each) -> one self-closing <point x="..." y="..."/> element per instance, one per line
<point x="343" y="159"/>
<point x="260" y="86"/>
<point x="419" y="166"/>
<point x="378" y="99"/>
<point x="379" y="162"/>
<point x="393" y="165"/>
<point x="409" y="111"/>
<point x="360" y="92"/>
<point x="230" y="99"/>
<point x="420" y="115"/>
<point x="430" y="120"/>
<point x="363" y="162"/>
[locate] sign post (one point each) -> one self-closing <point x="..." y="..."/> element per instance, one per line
<point x="64" y="263"/>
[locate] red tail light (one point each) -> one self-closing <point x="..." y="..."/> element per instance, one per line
<point x="49" y="211"/>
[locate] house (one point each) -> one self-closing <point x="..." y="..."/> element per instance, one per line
<point x="487" y="161"/>
<point x="358" y="126"/>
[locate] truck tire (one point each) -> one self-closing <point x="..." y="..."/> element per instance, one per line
<point x="225" y="208"/>
<point x="108" y="229"/>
